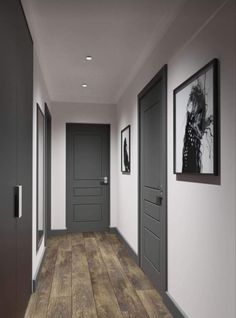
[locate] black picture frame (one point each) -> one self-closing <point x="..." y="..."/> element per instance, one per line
<point x="196" y="123"/>
<point x="125" y="150"/>
<point x="40" y="150"/>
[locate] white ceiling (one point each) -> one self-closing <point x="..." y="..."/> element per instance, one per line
<point x="119" y="34"/>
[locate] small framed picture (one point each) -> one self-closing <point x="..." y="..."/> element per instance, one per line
<point x="125" y="150"/>
<point x="196" y="123"/>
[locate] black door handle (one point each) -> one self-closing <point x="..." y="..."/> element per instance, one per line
<point x="159" y="200"/>
<point x="160" y="196"/>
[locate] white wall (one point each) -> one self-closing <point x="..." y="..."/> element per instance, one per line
<point x="40" y="96"/>
<point x="63" y="113"/>
<point x="201" y="216"/>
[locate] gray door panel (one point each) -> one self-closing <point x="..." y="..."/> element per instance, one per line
<point x="8" y="166"/>
<point x="87" y="165"/>
<point x="152" y="210"/>
<point x="152" y="123"/>
<point x="16" y="78"/>
<point x="152" y="224"/>
<point x="87" y="212"/>
<point x="151" y="249"/>
<point x="151" y="146"/>
<point x="94" y="191"/>
<point x="24" y="160"/>
<point x="87" y="156"/>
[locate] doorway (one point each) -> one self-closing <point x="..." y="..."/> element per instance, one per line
<point x="87" y="177"/>
<point x="152" y="109"/>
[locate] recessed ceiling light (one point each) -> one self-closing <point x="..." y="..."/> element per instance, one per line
<point x="89" y="58"/>
<point x="84" y="85"/>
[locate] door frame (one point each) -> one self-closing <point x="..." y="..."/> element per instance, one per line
<point x="48" y="144"/>
<point x="161" y="75"/>
<point x="109" y="175"/>
<point x="39" y="241"/>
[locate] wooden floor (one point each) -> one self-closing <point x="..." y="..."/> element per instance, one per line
<point x="91" y="275"/>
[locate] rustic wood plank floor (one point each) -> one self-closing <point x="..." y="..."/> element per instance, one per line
<point x="91" y="275"/>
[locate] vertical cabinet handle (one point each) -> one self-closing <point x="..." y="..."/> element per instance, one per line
<point x="18" y="201"/>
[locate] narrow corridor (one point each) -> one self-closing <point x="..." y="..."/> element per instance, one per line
<point x="91" y="275"/>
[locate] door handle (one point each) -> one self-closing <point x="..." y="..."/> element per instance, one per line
<point x="159" y="197"/>
<point x="18" y="201"/>
<point x="105" y="180"/>
<point x="159" y="200"/>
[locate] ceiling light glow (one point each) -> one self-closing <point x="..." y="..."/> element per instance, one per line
<point x="84" y="85"/>
<point x="89" y="58"/>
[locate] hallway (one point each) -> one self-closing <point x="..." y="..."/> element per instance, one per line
<point x="118" y="161"/>
<point x="91" y="275"/>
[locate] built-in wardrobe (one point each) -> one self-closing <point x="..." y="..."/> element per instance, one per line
<point x="16" y="90"/>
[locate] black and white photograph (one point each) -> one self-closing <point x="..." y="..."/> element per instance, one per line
<point x="195" y="123"/>
<point x="125" y="150"/>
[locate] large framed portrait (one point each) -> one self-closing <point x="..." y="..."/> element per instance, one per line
<point x="196" y="123"/>
<point x="125" y="150"/>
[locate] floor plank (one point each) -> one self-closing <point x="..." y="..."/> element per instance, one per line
<point x="31" y="306"/>
<point x="59" y="307"/>
<point x="153" y="303"/>
<point x="61" y="285"/>
<point x="53" y="242"/>
<point x="65" y="242"/>
<point x="88" y="235"/>
<point x="47" y="271"/>
<point x="105" y="299"/>
<point x="44" y="285"/>
<point x="83" y="305"/>
<point x="136" y="276"/>
<point x="41" y="306"/>
<point x="76" y="238"/>
<point x="129" y="302"/>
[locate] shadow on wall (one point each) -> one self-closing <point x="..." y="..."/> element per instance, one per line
<point x="215" y="180"/>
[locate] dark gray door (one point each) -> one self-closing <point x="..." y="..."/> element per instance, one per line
<point x="8" y="223"/>
<point x="152" y="141"/>
<point x="24" y="160"/>
<point x="88" y="174"/>
<point x="16" y="81"/>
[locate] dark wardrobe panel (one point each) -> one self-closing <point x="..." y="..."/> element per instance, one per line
<point x="7" y="158"/>
<point x="24" y="160"/>
<point x="16" y="78"/>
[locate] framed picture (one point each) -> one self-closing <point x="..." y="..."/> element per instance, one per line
<point x="125" y="150"/>
<point x="196" y="123"/>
